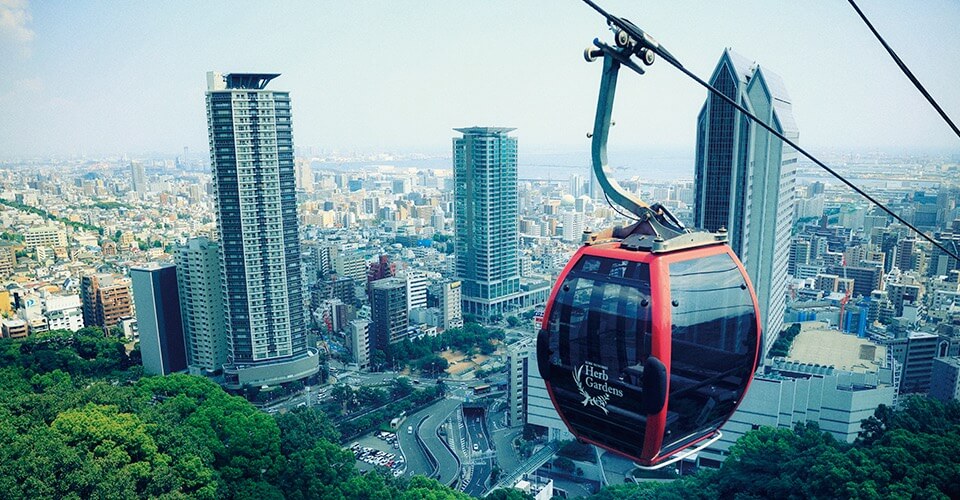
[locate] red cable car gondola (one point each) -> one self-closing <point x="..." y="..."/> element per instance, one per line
<point x="651" y="335"/>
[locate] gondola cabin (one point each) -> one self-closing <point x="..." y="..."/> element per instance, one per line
<point x="648" y="353"/>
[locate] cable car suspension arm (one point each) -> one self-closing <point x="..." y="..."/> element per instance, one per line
<point x="633" y="41"/>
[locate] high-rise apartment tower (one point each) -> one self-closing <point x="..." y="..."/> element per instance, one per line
<point x="251" y="153"/>
<point x="485" y="216"/>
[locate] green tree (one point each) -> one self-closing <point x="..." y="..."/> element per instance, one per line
<point x="508" y="494"/>
<point x="564" y="464"/>
<point x="302" y="428"/>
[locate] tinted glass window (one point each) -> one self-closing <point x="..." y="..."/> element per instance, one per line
<point x="714" y="343"/>
<point x="599" y="328"/>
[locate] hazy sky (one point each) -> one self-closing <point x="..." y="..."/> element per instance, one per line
<point x="128" y="77"/>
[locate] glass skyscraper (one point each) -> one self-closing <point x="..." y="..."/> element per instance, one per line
<point x="251" y="153"/>
<point x="485" y="216"/>
<point x="744" y="178"/>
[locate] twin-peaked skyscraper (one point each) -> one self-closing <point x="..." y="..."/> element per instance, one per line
<point x="744" y="178"/>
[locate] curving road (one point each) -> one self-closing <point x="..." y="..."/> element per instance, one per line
<point x="425" y="424"/>
<point x="477" y="438"/>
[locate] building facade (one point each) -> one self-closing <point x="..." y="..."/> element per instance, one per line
<point x="945" y="382"/>
<point x="106" y="300"/>
<point x="251" y="153"/>
<point x="388" y="311"/>
<point x="358" y="336"/>
<point x="158" y="319"/>
<point x="485" y="217"/>
<point x="744" y="178"/>
<point x="201" y="305"/>
<point x="47" y="236"/>
<point x="451" y="303"/>
<point x="138" y="178"/>
<point x="63" y="312"/>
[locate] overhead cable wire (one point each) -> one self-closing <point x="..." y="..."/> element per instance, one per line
<point x="675" y="63"/>
<point x="905" y="69"/>
<point x="649" y="43"/>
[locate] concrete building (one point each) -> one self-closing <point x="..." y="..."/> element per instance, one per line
<point x="388" y="310"/>
<point x="138" y="178"/>
<point x="518" y="368"/>
<point x="251" y="153"/>
<point x="916" y="353"/>
<point x="485" y="218"/>
<point x="451" y="304"/>
<point x="8" y="258"/>
<point x="358" y="340"/>
<point x="416" y="289"/>
<point x="529" y="402"/>
<point x="14" y="328"/>
<point x="945" y="382"/>
<point x="106" y="300"/>
<point x="201" y="305"/>
<point x="830" y="378"/>
<point x="158" y="318"/>
<point x="744" y="178"/>
<point x="63" y="312"/>
<point x="48" y="236"/>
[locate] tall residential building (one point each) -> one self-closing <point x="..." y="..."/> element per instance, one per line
<point x="485" y="216"/>
<point x="388" y="310"/>
<point x="106" y="299"/>
<point x="8" y="259"/>
<point x="744" y="178"/>
<point x="251" y="154"/>
<point x="528" y="401"/>
<point x="158" y="318"/>
<point x="416" y="289"/>
<point x="451" y="304"/>
<point x="138" y="177"/>
<point x="201" y="305"/>
<point x="358" y="340"/>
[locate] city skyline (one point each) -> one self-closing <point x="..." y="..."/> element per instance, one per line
<point x="405" y="95"/>
<point x="399" y="280"/>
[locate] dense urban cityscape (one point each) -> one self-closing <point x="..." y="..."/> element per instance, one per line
<point x="268" y="320"/>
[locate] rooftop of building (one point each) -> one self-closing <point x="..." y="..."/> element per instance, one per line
<point x="477" y="130"/>
<point x="819" y="344"/>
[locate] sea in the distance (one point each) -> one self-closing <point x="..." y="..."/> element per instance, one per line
<point x="651" y="166"/>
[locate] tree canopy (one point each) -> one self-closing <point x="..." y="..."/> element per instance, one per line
<point x="78" y="421"/>
<point x="913" y="452"/>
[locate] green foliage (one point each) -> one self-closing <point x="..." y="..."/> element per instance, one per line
<point x="74" y="425"/>
<point x="564" y="464"/>
<point x="47" y="215"/>
<point x="913" y="452"/>
<point x="422" y="353"/>
<point x="578" y="451"/>
<point x="508" y="494"/>
<point x="111" y="205"/>
<point x="86" y="352"/>
<point x="302" y="428"/>
<point x="781" y="347"/>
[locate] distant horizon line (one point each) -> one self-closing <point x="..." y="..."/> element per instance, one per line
<point x="299" y="151"/>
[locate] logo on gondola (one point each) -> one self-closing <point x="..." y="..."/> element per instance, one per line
<point x="594" y="376"/>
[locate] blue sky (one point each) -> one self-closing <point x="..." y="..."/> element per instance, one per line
<point x="128" y="77"/>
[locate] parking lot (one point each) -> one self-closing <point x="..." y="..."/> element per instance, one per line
<point x="379" y="450"/>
